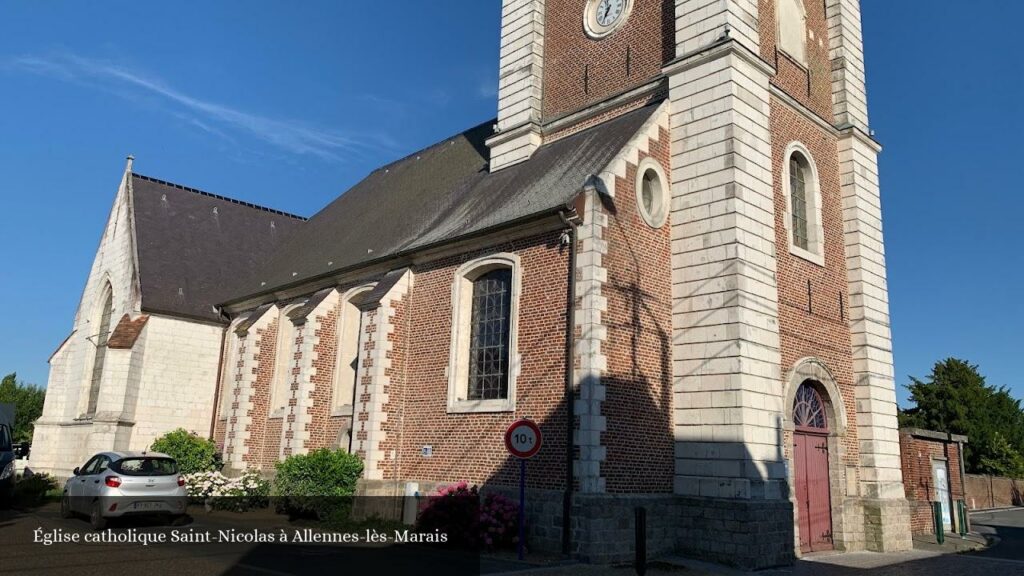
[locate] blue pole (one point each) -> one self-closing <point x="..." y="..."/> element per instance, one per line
<point x="522" y="505"/>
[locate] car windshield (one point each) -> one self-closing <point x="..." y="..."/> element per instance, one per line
<point x="145" y="467"/>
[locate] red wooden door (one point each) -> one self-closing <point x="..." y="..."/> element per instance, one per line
<point x="810" y="453"/>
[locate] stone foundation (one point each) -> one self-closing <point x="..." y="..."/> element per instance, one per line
<point x="887" y="525"/>
<point x="747" y="534"/>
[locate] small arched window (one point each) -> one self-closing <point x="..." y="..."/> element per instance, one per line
<point x="803" y="204"/>
<point x="101" y="337"/>
<point x="284" y="362"/>
<point x="792" y="25"/>
<point x="809" y="409"/>
<point x="484" y="359"/>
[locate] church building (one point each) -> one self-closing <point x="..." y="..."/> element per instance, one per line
<point x="666" y="251"/>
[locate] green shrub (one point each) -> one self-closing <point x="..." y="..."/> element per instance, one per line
<point x="32" y="490"/>
<point x="319" y="484"/>
<point x="193" y="452"/>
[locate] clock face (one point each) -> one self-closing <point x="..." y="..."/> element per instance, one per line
<point x="604" y="16"/>
<point x="609" y="12"/>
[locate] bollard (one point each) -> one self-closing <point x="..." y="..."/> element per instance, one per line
<point x="641" y="541"/>
<point x="961" y="509"/>
<point x="940" y="533"/>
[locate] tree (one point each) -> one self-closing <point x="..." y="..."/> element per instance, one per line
<point x="1001" y="459"/>
<point x="956" y="399"/>
<point x="28" y="405"/>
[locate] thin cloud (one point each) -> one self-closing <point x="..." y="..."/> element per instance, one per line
<point x="292" y="136"/>
<point x="487" y="89"/>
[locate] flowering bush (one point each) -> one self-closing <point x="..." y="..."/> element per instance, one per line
<point x="216" y="490"/>
<point x="457" y="511"/>
<point x="499" y="522"/>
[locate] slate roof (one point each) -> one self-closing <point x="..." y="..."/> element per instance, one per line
<point x="192" y="243"/>
<point x="437" y="195"/>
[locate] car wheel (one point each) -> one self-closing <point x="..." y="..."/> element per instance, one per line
<point x="96" y="518"/>
<point x="65" y="507"/>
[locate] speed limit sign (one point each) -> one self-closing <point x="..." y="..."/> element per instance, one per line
<point x="523" y="438"/>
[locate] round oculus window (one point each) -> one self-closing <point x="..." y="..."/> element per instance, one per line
<point x="651" y="197"/>
<point x="602" y="17"/>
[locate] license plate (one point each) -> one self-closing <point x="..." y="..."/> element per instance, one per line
<point x="147" y="506"/>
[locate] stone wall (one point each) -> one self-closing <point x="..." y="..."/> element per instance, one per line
<point x="748" y="535"/>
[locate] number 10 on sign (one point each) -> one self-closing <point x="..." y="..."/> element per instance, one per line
<point x="523" y="440"/>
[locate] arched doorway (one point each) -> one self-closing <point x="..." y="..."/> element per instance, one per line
<point x="811" y="470"/>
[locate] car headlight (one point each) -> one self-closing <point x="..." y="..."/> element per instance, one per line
<point x="8" y="471"/>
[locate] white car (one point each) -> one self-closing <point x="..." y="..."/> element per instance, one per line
<point x="115" y="484"/>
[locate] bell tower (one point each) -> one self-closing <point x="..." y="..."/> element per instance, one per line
<point x="564" y="62"/>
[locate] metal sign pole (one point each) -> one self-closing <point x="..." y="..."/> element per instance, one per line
<point x="522" y="505"/>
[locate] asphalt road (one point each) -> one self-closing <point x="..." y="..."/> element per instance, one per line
<point x="1005" y="529"/>
<point x="22" y="551"/>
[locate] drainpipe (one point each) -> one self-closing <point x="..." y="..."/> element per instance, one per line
<point x="220" y="371"/>
<point x="571" y="219"/>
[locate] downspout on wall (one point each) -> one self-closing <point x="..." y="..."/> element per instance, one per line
<point x="572" y="219"/>
<point x="220" y="371"/>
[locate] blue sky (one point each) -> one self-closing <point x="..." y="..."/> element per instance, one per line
<point x="289" y="107"/>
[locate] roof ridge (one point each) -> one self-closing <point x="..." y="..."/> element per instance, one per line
<point x="440" y="142"/>
<point x="219" y="197"/>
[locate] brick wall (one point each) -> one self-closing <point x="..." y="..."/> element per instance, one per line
<point x="638" y="382"/>
<point x="256" y="441"/>
<point x="993" y="491"/>
<point x="324" y="428"/>
<point x="813" y="322"/>
<point x="579" y="71"/>
<point x="465" y="446"/>
<point x="809" y="84"/>
<point x="917" y="455"/>
<point x="470" y="446"/>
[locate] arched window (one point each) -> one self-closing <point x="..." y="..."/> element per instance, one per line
<point x="484" y="360"/>
<point x="792" y="25"/>
<point x="798" y="197"/>
<point x="100" y="340"/>
<point x="803" y="204"/>
<point x="809" y="409"/>
<point x="490" y="324"/>
<point x="350" y="328"/>
<point x="284" y="362"/>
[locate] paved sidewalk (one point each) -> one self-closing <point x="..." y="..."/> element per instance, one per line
<point x="953" y="543"/>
